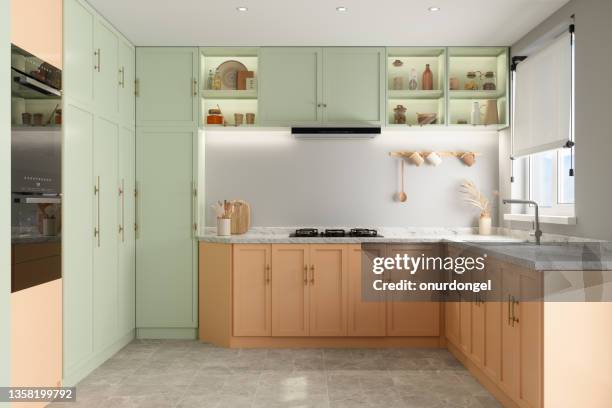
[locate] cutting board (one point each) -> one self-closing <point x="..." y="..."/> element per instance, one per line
<point x="241" y="217"/>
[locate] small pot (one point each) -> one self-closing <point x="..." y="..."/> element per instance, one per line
<point x="224" y="227"/>
<point x="433" y="158"/>
<point x="484" y="225"/>
<point x="416" y="158"/>
<point x="238" y="119"/>
<point x="250" y="118"/>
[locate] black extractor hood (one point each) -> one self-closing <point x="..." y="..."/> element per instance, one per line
<point x="329" y="132"/>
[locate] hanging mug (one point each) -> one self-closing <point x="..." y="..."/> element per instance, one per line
<point x="416" y="158"/>
<point x="468" y="158"/>
<point x="433" y="158"/>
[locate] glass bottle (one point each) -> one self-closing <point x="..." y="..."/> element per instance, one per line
<point x="209" y="82"/>
<point x="217" y="81"/>
<point x="490" y="81"/>
<point x="427" y="82"/>
<point x="413" y="83"/>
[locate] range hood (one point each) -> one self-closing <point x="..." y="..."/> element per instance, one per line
<point x="344" y="132"/>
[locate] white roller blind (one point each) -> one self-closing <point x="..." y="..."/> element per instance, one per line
<point x="542" y="104"/>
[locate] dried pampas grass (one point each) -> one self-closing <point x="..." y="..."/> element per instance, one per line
<point x="473" y="196"/>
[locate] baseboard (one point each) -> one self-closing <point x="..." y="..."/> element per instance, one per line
<point x="72" y="377"/>
<point x="482" y="378"/>
<point x="174" y="333"/>
<point x="332" y="342"/>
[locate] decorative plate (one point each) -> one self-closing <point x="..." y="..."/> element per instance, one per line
<point x="229" y="72"/>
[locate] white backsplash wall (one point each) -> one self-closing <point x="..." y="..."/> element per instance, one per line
<point x="292" y="182"/>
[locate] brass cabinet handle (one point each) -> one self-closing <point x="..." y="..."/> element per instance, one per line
<point x="305" y="275"/>
<point x="136" y="230"/>
<point x="122" y="77"/>
<point x="122" y="198"/>
<point x="97" y="194"/>
<point x="509" y="310"/>
<point x="97" y="54"/>
<point x="325" y="105"/>
<point x="319" y="105"/>
<point x="136" y="87"/>
<point x="267" y="274"/>
<point x="194" y="207"/>
<point x="312" y="274"/>
<point x="514" y="318"/>
<point x="194" y="87"/>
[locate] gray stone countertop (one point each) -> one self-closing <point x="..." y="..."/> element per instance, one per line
<point x="567" y="254"/>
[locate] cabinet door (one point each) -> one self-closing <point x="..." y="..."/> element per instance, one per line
<point x="405" y="315"/>
<point x="530" y="338"/>
<point x="127" y="239"/>
<point x="167" y="86"/>
<point x="353" y="85"/>
<point x="290" y="86"/>
<point x="252" y="293"/>
<point x="106" y="69"/>
<point x="328" y="290"/>
<point x="165" y="248"/>
<point x="493" y="322"/>
<point x="77" y="234"/>
<point x="366" y="316"/>
<point x="290" y="302"/>
<point x="452" y="322"/>
<point x="79" y="56"/>
<point x="127" y="67"/>
<point x="510" y="341"/>
<point x="478" y="321"/>
<point x="105" y="306"/>
<point x="465" y="311"/>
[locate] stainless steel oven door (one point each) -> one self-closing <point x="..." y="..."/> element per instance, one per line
<point x="36" y="161"/>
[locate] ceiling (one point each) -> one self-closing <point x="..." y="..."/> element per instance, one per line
<point x="316" y="22"/>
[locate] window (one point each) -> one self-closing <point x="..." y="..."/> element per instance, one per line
<point x="544" y="178"/>
<point x="541" y="169"/>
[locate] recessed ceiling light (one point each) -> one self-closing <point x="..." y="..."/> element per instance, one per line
<point x="242" y="9"/>
<point x="434" y="9"/>
<point x="341" y="9"/>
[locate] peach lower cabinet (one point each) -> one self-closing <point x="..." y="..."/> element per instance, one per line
<point x="532" y="354"/>
<point x="306" y="295"/>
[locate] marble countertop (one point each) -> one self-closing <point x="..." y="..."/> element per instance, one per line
<point x="563" y="254"/>
<point x="549" y="256"/>
<point x="280" y="235"/>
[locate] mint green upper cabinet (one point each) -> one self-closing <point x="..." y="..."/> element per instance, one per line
<point x="106" y="69"/>
<point x="353" y="85"/>
<point x="167" y="86"/>
<point x="290" y="86"/>
<point x="166" y="277"/>
<point x="79" y="53"/>
<point x="127" y="67"/>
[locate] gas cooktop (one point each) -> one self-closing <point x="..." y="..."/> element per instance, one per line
<point x="334" y="233"/>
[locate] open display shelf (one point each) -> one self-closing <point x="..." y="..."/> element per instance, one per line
<point x="230" y="101"/>
<point x="402" y="62"/>
<point x="479" y="60"/>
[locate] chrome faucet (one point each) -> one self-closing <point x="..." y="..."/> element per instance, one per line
<point x="538" y="231"/>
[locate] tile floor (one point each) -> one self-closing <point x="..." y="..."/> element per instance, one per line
<point x="189" y="374"/>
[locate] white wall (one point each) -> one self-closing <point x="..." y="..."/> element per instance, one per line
<point x="5" y="183"/>
<point x="291" y="182"/>
<point x="593" y="135"/>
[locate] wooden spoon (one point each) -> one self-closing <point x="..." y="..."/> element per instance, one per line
<point x="402" y="195"/>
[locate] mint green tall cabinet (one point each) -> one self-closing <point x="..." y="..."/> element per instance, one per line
<point x="97" y="162"/>
<point x="330" y="85"/>
<point x="166" y="179"/>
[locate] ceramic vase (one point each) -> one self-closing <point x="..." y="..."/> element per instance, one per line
<point x="484" y="225"/>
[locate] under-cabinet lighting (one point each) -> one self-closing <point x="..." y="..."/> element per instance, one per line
<point x="242" y="9"/>
<point x="434" y="9"/>
<point x="341" y="9"/>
